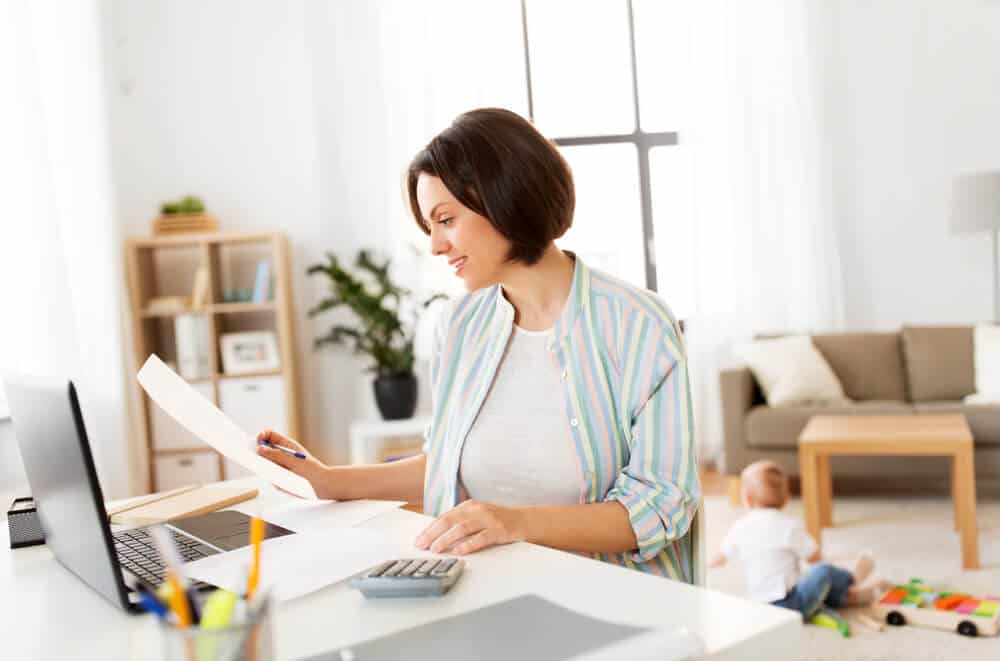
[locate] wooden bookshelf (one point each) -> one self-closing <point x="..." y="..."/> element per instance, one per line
<point x="166" y="266"/>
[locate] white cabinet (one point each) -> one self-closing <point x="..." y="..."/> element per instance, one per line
<point x="254" y="404"/>
<point x="167" y="433"/>
<point x="178" y="470"/>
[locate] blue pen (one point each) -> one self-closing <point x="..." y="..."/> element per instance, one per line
<point x="152" y="604"/>
<point x="290" y="451"/>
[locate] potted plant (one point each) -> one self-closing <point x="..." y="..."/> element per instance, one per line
<point x="381" y="334"/>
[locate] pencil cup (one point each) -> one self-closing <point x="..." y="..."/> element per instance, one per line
<point x="247" y="639"/>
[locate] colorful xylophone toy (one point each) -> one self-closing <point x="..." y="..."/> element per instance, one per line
<point x="924" y="606"/>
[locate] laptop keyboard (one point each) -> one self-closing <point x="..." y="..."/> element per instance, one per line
<point x="137" y="554"/>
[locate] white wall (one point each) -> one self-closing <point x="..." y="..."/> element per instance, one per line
<point x="915" y="101"/>
<point x="300" y="116"/>
<point x="216" y="99"/>
<point x="11" y="469"/>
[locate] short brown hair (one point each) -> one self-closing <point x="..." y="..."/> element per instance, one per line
<point x="766" y="483"/>
<point x="497" y="164"/>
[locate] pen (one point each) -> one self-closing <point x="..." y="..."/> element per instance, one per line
<point x="152" y="604"/>
<point x="290" y="451"/>
<point x="256" y="537"/>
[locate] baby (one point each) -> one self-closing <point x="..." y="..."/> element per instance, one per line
<point x="770" y="544"/>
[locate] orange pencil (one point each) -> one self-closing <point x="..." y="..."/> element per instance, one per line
<point x="178" y="601"/>
<point x="256" y="537"/>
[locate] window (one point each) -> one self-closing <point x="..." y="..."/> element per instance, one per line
<point x="606" y="81"/>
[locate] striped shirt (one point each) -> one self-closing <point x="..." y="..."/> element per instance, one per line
<point x="627" y="403"/>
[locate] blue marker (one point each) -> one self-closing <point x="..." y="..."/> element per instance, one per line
<point x="297" y="455"/>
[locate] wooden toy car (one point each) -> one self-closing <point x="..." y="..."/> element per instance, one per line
<point x="923" y="606"/>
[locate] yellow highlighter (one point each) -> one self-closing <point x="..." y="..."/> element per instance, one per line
<point x="218" y="610"/>
<point x="256" y="537"/>
<point x="215" y="616"/>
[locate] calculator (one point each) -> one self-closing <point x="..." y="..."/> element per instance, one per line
<point x="410" y="577"/>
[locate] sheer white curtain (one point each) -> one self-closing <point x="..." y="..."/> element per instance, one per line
<point x="437" y="59"/>
<point x="766" y="249"/>
<point x="60" y="271"/>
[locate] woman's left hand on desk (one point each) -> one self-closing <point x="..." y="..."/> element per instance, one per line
<point x="473" y="526"/>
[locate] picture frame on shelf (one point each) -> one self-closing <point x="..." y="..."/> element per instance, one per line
<point x="249" y="352"/>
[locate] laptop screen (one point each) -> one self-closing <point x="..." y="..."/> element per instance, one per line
<point x="63" y="480"/>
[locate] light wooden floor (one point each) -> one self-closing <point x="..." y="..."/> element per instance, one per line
<point x="712" y="482"/>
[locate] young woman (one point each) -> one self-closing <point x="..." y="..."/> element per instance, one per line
<point x="561" y="408"/>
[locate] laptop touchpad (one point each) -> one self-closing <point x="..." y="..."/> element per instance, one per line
<point x="227" y="529"/>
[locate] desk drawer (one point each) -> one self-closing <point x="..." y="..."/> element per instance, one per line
<point x="181" y="469"/>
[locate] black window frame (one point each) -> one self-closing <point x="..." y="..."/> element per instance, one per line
<point x="642" y="140"/>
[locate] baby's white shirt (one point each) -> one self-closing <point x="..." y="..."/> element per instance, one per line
<point x="769" y="544"/>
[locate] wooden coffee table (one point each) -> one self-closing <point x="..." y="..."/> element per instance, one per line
<point x="827" y="436"/>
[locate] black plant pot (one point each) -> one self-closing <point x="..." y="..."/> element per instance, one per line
<point x="396" y="396"/>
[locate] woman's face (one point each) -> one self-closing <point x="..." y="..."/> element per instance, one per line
<point x="475" y="251"/>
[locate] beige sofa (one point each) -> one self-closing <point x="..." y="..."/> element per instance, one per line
<point x="918" y="370"/>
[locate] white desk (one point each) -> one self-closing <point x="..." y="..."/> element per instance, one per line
<point x="47" y="613"/>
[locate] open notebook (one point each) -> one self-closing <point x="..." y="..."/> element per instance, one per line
<point x="178" y="503"/>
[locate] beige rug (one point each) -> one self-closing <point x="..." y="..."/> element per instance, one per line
<point x="909" y="538"/>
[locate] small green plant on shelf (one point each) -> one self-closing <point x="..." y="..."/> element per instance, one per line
<point x="186" y="205"/>
<point x="380" y="332"/>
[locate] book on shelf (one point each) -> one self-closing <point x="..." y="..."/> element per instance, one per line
<point x="199" y="294"/>
<point x="191" y="334"/>
<point x="262" y="282"/>
<point x="167" y="304"/>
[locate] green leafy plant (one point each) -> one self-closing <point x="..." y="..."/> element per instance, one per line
<point x="187" y="204"/>
<point x="381" y="334"/>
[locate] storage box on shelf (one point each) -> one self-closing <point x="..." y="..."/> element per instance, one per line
<point x="164" y="304"/>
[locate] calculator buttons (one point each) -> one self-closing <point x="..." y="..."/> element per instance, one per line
<point x="410" y="577"/>
<point x="378" y="571"/>
<point x="395" y="568"/>
<point x="410" y="568"/>
<point x="425" y="568"/>
<point x="443" y="568"/>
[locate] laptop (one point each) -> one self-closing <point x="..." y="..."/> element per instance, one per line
<point x="60" y="470"/>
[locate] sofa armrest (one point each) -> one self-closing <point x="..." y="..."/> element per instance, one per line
<point x="736" y="392"/>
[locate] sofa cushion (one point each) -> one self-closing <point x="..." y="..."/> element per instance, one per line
<point x="939" y="362"/>
<point x="986" y="364"/>
<point x="983" y="419"/>
<point x="769" y="427"/>
<point x="791" y="371"/>
<point x="869" y="365"/>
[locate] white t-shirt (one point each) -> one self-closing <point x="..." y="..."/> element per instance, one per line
<point x="770" y="544"/>
<point x="520" y="451"/>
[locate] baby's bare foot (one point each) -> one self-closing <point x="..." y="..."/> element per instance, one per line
<point x="863" y="567"/>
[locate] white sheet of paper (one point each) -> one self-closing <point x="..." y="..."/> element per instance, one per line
<point x="323" y="515"/>
<point x="295" y="565"/>
<point x="199" y="416"/>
